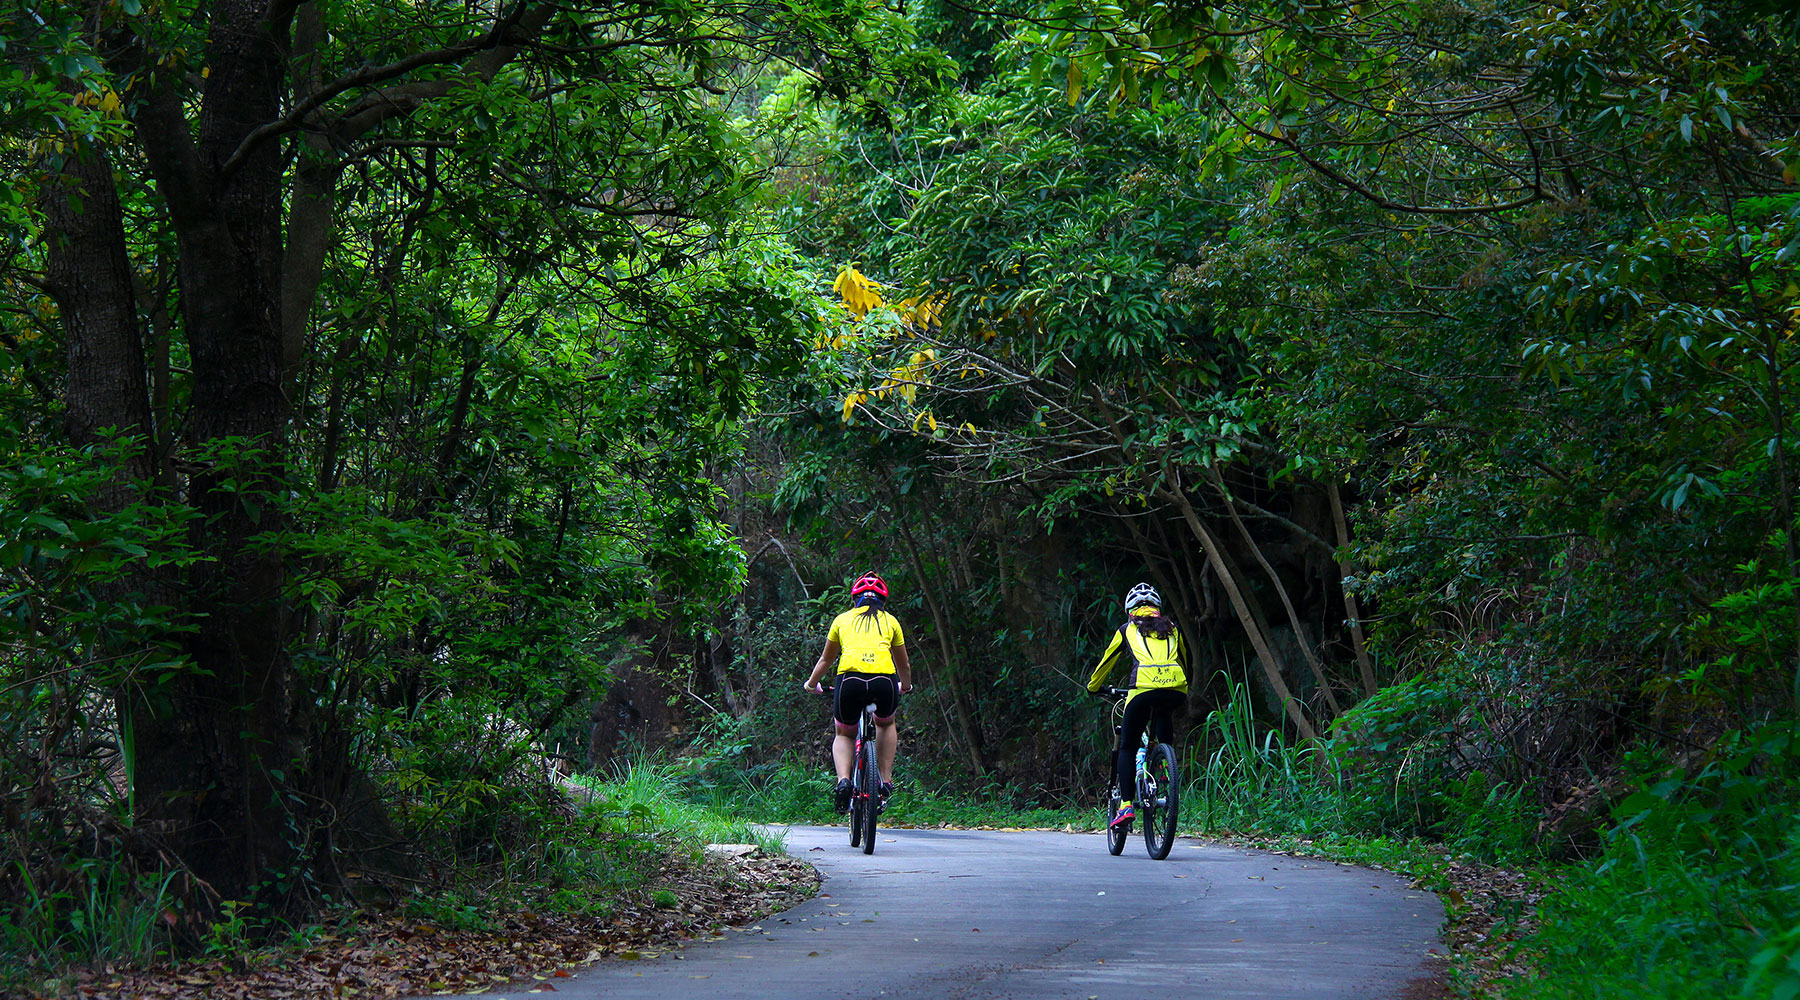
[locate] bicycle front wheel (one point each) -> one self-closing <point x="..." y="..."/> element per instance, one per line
<point x="1161" y="809"/>
<point x="1115" y="835"/>
<point x="870" y="793"/>
<point x="856" y="799"/>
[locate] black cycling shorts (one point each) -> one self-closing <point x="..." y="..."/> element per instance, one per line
<point x="856" y="690"/>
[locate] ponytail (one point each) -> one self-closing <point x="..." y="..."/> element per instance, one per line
<point x="1156" y="626"/>
<point x="870" y="605"/>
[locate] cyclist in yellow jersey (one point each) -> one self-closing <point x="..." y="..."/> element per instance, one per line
<point x="870" y="650"/>
<point x="1158" y="683"/>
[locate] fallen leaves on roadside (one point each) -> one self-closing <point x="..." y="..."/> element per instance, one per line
<point x="388" y="955"/>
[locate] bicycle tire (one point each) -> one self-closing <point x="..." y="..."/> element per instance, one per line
<point x="872" y="796"/>
<point x="856" y="800"/>
<point x="1161" y="809"/>
<point x="1115" y="835"/>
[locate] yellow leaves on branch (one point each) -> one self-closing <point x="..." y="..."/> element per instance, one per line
<point x="862" y="294"/>
<point x="106" y="99"/>
<point x="903" y="381"/>
<point x="852" y="401"/>
<point x="857" y="291"/>
<point x="907" y="378"/>
<point x="924" y="313"/>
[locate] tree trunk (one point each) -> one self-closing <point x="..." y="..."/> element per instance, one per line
<point x="218" y="758"/>
<point x="1228" y="579"/>
<point x="1287" y="604"/>
<point x="90" y="277"/>
<point x="1364" y="665"/>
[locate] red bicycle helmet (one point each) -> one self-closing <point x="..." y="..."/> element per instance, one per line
<point x="869" y="583"/>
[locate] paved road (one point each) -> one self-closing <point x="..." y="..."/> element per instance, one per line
<point x="970" y="915"/>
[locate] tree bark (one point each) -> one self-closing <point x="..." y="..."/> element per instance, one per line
<point x="105" y="385"/>
<point x="311" y="200"/>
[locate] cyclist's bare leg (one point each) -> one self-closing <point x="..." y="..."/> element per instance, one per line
<point x="843" y="751"/>
<point x="887" y="739"/>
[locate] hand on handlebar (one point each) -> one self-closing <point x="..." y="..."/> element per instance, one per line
<point x="906" y="687"/>
<point x="814" y="686"/>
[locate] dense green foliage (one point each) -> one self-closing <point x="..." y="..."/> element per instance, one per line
<point x="390" y="386"/>
<point x="365" y="366"/>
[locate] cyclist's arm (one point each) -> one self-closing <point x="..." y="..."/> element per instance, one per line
<point x="828" y="654"/>
<point x="1108" y="660"/>
<point x="902" y="667"/>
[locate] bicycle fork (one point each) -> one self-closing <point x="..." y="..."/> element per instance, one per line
<point x="1148" y="787"/>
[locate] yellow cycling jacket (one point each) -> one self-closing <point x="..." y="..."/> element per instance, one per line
<point x="867" y="639"/>
<point x="1156" y="663"/>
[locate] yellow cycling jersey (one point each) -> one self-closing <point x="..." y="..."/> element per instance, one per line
<point x="1156" y="663"/>
<point x="866" y="640"/>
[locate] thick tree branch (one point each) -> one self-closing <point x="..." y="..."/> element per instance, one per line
<point x="485" y="55"/>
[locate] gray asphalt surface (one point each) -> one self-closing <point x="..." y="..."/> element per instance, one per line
<point x="978" y="915"/>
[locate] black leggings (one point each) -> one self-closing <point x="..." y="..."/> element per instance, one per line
<point x="1156" y="706"/>
<point x="856" y="690"/>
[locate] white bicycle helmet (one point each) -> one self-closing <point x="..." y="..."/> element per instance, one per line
<point x="1141" y="595"/>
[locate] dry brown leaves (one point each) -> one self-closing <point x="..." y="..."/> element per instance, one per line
<point x="389" y="956"/>
<point x="1487" y="910"/>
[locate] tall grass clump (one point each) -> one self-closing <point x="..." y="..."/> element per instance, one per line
<point x="1245" y="780"/>
<point x="95" y="913"/>
<point x="655" y="794"/>
<point x="1383" y="773"/>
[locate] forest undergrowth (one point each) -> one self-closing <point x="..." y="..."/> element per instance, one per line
<point x="614" y="867"/>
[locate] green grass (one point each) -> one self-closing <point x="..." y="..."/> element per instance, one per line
<point x="788" y="792"/>
<point x="648" y="796"/>
<point x="108" y="915"/>
<point x="1693" y="892"/>
<point x="1696" y="891"/>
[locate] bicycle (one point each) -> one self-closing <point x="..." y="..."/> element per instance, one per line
<point x="1158" y="787"/>
<point x="865" y="780"/>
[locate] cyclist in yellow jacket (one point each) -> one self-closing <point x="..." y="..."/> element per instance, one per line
<point x="1158" y="683"/>
<point x="872" y="664"/>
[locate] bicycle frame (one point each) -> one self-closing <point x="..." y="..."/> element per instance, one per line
<point x="865" y="733"/>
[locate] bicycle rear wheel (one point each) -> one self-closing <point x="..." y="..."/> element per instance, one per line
<point x="1115" y="835"/>
<point x="869" y="791"/>
<point x="1161" y="808"/>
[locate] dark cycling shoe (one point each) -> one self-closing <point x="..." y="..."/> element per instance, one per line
<point x="840" y="796"/>
<point x="887" y="789"/>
